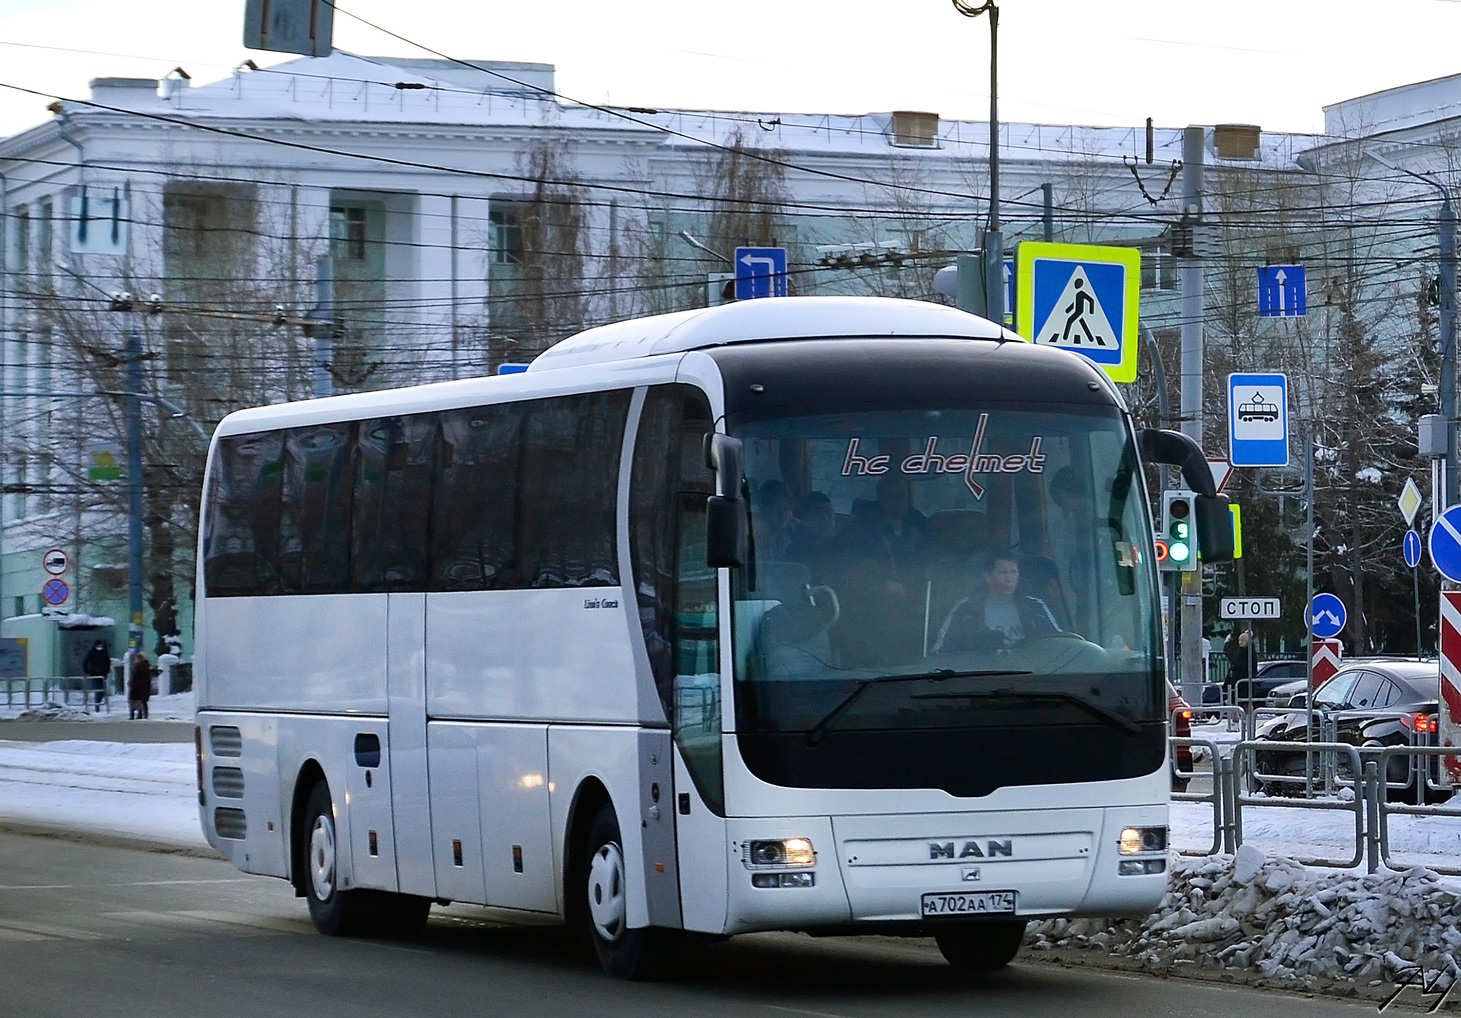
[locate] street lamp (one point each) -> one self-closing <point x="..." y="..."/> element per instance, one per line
<point x="993" y="239"/>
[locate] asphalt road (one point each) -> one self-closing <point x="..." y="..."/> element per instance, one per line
<point x="98" y="931"/>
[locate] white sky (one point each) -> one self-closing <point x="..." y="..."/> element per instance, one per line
<point x="1061" y="61"/>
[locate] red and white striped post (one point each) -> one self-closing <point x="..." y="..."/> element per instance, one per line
<point x="1450" y="711"/>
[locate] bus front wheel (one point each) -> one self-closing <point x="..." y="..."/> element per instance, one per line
<point x="988" y="945"/>
<point x="622" y="952"/>
<point x="335" y="912"/>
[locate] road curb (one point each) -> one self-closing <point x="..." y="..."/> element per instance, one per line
<point x="139" y="842"/>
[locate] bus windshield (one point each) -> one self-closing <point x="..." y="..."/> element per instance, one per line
<point x="946" y="571"/>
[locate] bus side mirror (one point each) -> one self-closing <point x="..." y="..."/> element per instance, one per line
<point x="725" y="532"/>
<point x="1214" y="528"/>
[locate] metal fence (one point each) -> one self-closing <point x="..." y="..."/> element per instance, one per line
<point x="1334" y="777"/>
<point x="88" y="693"/>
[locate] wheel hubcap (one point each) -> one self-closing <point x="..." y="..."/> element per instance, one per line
<point x="606" y="903"/>
<point x="322" y="858"/>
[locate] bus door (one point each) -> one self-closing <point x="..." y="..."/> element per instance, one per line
<point x="678" y="596"/>
<point x="696" y="726"/>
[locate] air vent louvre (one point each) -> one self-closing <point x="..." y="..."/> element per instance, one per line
<point x="226" y="740"/>
<point x="230" y="823"/>
<point x="228" y="782"/>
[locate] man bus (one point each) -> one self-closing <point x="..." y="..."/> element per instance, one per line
<point x="526" y="641"/>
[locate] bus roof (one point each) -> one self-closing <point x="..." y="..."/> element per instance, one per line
<point x="767" y="319"/>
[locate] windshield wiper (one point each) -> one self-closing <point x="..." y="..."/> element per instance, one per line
<point x="1104" y="713"/>
<point x="820" y="730"/>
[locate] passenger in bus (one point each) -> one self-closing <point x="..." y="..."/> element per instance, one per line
<point x="998" y="619"/>
<point x="771" y="518"/>
<point x="814" y="534"/>
<point x="882" y="579"/>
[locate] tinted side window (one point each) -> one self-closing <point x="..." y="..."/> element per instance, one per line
<point x="241" y="534"/>
<point x="571" y="446"/>
<point x="1366" y="690"/>
<point x="391" y="514"/>
<point x="314" y="517"/>
<point x="473" y="521"/>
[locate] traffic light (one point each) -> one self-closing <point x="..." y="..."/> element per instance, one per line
<point x="1178" y="517"/>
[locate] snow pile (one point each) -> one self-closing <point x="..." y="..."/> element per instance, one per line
<point x="175" y="707"/>
<point x="1274" y="919"/>
<point x="52" y="711"/>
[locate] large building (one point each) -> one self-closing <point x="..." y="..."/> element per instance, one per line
<point x="344" y="223"/>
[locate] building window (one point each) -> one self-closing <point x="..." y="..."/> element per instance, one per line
<point x="18" y="508"/>
<point x="44" y="244"/>
<point x="347" y="232"/>
<point x="22" y="243"/>
<point x="1158" y="269"/>
<point x="507" y="233"/>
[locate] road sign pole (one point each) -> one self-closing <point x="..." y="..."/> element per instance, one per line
<point x="1415" y="584"/>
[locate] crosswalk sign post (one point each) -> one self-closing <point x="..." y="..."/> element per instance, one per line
<point x="1081" y="298"/>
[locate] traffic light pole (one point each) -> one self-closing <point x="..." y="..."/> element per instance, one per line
<point x="1191" y="278"/>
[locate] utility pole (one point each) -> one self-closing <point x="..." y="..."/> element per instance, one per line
<point x="1193" y="145"/>
<point x="132" y="415"/>
<point x="1447" y="240"/>
<point x="993" y="238"/>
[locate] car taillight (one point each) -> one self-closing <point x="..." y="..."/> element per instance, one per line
<point x="1185" y="715"/>
<point x="1420" y="722"/>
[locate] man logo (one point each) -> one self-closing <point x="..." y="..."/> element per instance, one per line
<point x="971" y="850"/>
<point x="969" y="875"/>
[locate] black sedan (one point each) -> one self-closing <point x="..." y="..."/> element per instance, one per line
<point x="1375" y="704"/>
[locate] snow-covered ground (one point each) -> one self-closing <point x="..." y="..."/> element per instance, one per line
<point x="1258" y="916"/>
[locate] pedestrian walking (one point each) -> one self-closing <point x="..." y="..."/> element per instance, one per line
<point x="96" y="666"/>
<point x="139" y="686"/>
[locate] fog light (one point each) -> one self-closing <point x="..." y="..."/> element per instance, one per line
<point x="791" y="852"/>
<point x="783" y="879"/>
<point x="1140" y="840"/>
<point x="1138" y="867"/>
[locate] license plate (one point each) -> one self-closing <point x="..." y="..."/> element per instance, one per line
<point x="954" y="904"/>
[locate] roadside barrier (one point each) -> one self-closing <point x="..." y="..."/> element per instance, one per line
<point x="37" y="691"/>
<point x="1324" y="782"/>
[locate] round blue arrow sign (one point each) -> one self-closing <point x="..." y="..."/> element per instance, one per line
<point x="1327" y="614"/>
<point x="1446" y="544"/>
<point x="1412" y="548"/>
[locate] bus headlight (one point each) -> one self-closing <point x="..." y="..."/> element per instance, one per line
<point x="1142" y="840"/>
<point x="788" y="852"/>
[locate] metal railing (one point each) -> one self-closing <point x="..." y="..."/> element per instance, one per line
<point x="1329" y="771"/>
<point x="37" y="691"/>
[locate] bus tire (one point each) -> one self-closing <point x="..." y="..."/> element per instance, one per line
<point x="335" y="912"/>
<point x="622" y="952"/>
<point x="981" y="946"/>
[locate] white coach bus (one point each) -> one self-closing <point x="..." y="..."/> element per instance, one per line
<point x="819" y="614"/>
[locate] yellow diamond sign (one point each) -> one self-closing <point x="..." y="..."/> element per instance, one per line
<point x="1410" y="501"/>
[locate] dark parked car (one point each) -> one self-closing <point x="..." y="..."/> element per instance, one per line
<point x="1269" y="675"/>
<point x="1376" y="703"/>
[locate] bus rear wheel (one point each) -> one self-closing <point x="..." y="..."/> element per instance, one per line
<point x="335" y="912"/>
<point x="622" y="952"/>
<point x="981" y="946"/>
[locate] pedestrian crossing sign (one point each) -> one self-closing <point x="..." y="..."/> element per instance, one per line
<point x="1081" y="298"/>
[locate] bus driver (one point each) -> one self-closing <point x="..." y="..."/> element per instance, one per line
<point x="1001" y="618"/>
